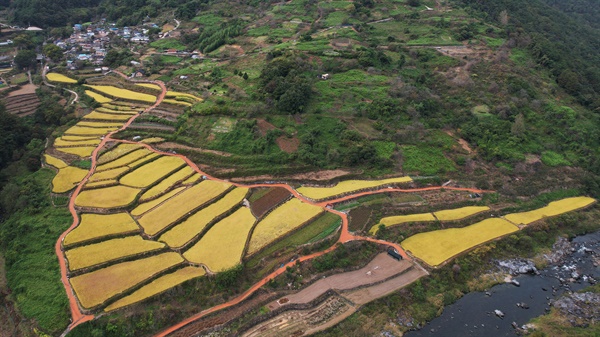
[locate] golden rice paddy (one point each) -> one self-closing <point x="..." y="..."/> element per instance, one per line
<point x="149" y="85"/>
<point x="158" y="286"/>
<point x="67" y="178"/>
<point x="459" y="213"/>
<point x="222" y="246"/>
<point x="108" y="197"/>
<point x="81" y="151"/>
<point x="400" y="219"/>
<point x="93" y="289"/>
<point x="87" y="131"/>
<point x="145" y="207"/>
<point x="176" y="102"/>
<point x="438" y="246"/>
<point x="182" y="233"/>
<point x="175" y="94"/>
<point x="117" y="152"/>
<point x="97" y="97"/>
<point x="126" y="159"/>
<point x="102" y="183"/>
<point x="143" y="160"/>
<point x="95" y="115"/>
<point x="123" y="93"/>
<point x="319" y="193"/>
<point x="93" y="226"/>
<point x="94" y="124"/>
<point x="281" y="221"/>
<point x="59" y="142"/>
<point x="55" y="77"/>
<point x="192" y="180"/>
<point x="171" y="210"/>
<point x="78" y="138"/>
<point x="50" y="160"/>
<point x="108" y="174"/>
<point x="109" y="250"/>
<point x="152" y="172"/>
<point x="129" y="112"/>
<point x="168" y="182"/>
<point x="554" y="208"/>
<point x="152" y="140"/>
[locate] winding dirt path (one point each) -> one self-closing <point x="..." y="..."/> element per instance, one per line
<point x="78" y="317"/>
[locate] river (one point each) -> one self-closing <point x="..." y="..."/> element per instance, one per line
<point x="473" y="314"/>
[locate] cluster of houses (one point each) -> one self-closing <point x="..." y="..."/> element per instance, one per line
<point x="91" y="42"/>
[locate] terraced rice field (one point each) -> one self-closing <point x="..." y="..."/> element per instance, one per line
<point x="119" y="111"/>
<point x="94" y="124"/>
<point x="109" y="250"/>
<point x="145" y="207"/>
<point x="124" y="160"/>
<point x="53" y="161"/>
<point x="221" y="248"/>
<point x="67" y="178"/>
<point x="117" y="152"/>
<point x="81" y="151"/>
<point x="108" y="174"/>
<point x="102" y="183"/>
<point x="87" y="131"/>
<point x="400" y="219"/>
<point x="159" y="218"/>
<point x="554" y="208"/>
<point x="459" y="213"/>
<point x="182" y="233"/>
<point x="168" y="182"/>
<point x="96" y="226"/>
<point x="152" y="172"/>
<point x="55" y="77"/>
<point x="281" y="221"/>
<point x="126" y="94"/>
<point x="94" y="288"/>
<point x="158" y="286"/>
<point x="176" y="94"/>
<point x="95" y="115"/>
<point x="192" y="180"/>
<point x="173" y="101"/>
<point x="59" y="142"/>
<point x="108" y="197"/>
<point x="78" y="138"/>
<point x="97" y="97"/>
<point x="149" y="85"/>
<point x="438" y="246"/>
<point x="348" y="186"/>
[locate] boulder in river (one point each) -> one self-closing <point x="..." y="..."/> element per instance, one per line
<point x="499" y="313"/>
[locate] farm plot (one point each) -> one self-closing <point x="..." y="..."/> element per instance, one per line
<point x="168" y="182"/>
<point x="158" y="286"/>
<point x="145" y="207"/>
<point x="348" y="186"/>
<point x="554" y="208"/>
<point x="438" y="246"/>
<point x="176" y="102"/>
<point x="96" y="226"/>
<point x="109" y="250"/>
<point x="143" y="160"/>
<point x="94" y="124"/>
<point x="459" y="213"/>
<point x="150" y="86"/>
<point x="269" y="200"/>
<point x="108" y="174"/>
<point x="77" y="138"/>
<point x="281" y="221"/>
<point x="93" y="289"/>
<point x="97" y="97"/>
<point x="150" y="173"/>
<point x="222" y="246"/>
<point x="115" y="92"/>
<point x="182" y="233"/>
<point x="117" y="152"/>
<point x="124" y="160"/>
<point x="117" y="111"/>
<point x="87" y="131"/>
<point x="192" y="180"/>
<point x="102" y="183"/>
<point x="55" y="77"/>
<point x="53" y="161"/>
<point x="81" y="151"/>
<point x="95" y="115"/>
<point x="400" y="219"/>
<point x="59" y="142"/>
<point x="67" y="178"/>
<point x="160" y="218"/>
<point x="107" y="197"/>
<point x="180" y="95"/>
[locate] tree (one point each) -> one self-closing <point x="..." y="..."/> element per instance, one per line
<point x="53" y="52"/>
<point x="414" y="3"/>
<point x="25" y="58"/>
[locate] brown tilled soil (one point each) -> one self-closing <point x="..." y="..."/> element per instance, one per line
<point x="366" y="295"/>
<point x="359" y="217"/>
<point x="25" y="89"/>
<point x="289" y="145"/>
<point x="271" y="199"/>
<point x="264" y="126"/>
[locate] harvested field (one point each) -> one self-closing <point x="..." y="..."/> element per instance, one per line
<point x="126" y="94"/>
<point x="221" y="248"/>
<point x="55" y="77"/>
<point x="152" y="172"/>
<point x="168" y="182"/>
<point x="281" y="221"/>
<point x="400" y="219"/>
<point x="117" y="152"/>
<point x="159" y="218"/>
<point x="108" y="197"/>
<point x="93" y="226"/>
<point x="126" y="159"/>
<point x="22" y="102"/>
<point x="182" y="233"/>
<point x="67" y="178"/>
<point x="108" y="174"/>
<point x="158" y="286"/>
<point x="145" y="207"/>
<point x="359" y="217"/>
<point x="53" y="161"/>
<point x="93" y="289"/>
<point x="109" y="250"/>
<point x="344" y="187"/>
<point x="554" y="208"/>
<point x="438" y="246"/>
<point x="269" y="200"/>
<point x="97" y="97"/>
<point x="81" y="151"/>
<point x="459" y="213"/>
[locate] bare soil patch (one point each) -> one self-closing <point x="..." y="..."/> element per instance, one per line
<point x="171" y="145"/>
<point x="264" y="126"/>
<point x="25" y="89"/>
<point x="271" y="199"/>
<point x="289" y="145"/>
